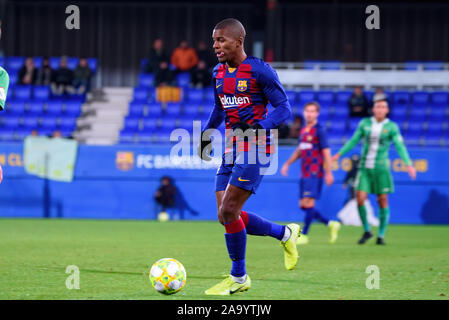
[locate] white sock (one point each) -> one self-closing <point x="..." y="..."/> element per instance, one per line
<point x="287" y="234"/>
<point x="241" y="279"/>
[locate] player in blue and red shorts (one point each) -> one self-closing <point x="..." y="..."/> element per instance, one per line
<point x="243" y="87"/>
<point x="315" y="155"/>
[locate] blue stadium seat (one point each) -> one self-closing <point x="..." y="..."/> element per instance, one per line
<point x="342" y="97"/>
<point x="15" y="107"/>
<point x="209" y="96"/>
<point x="310" y="64"/>
<point x="136" y="109"/>
<point x="306" y="96"/>
<point x="337" y="138"/>
<point x="412" y="138"/>
<point x="22" y="133"/>
<point x="13" y="78"/>
<point x="38" y="62"/>
<point x="440" y="98"/>
<point x="168" y="124"/>
<point x="190" y="109"/>
<point x="437" y="113"/>
<point x="183" y="79"/>
<point x="291" y="94"/>
<point x="398" y="112"/>
<point x="296" y="110"/>
<point x="2" y="61"/>
<point x="412" y="65"/>
<point x="30" y="122"/>
<point x="35" y="108"/>
<point x="54" y="62"/>
<point x="149" y="124"/>
<point x="54" y="107"/>
<point x="433" y="139"/>
<point x="41" y="93"/>
<point x="415" y="127"/>
<point x="154" y="110"/>
<point x="418" y="113"/>
<point x="11" y="121"/>
<point x="146" y="80"/>
<point x="72" y="62"/>
<point x="195" y="95"/>
<point x="72" y="108"/>
<point x="143" y="64"/>
<point x="93" y="64"/>
<point x="401" y="98"/>
<point x="352" y="124"/>
<point x="341" y="113"/>
<point x="337" y="127"/>
<point x="140" y="94"/>
<point x="66" y="133"/>
<point x="186" y="124"/>
<point x="420" y="98"/>
<point x="131" y="124"/>
<point x="173" y="109"/>
<point x="331" y="65"/>
<point x="6" y="134"/>
<point x="325" y="98"/>
<point x="67" y="123"/>
<point x="13" y="64"/>
<point x="163" y="136"/>
<point x="436" y="127"/>
<point x="402" y="124"/>
<point x="127" y="136"/>
<point x="48" y="123"/>
<point x="22" y="93"/>
<point x="369" y="94"/>
<point x="433" y="65"/>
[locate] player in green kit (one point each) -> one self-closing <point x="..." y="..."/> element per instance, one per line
<point x="374" y="174"/>
<point x="4" y="84"/>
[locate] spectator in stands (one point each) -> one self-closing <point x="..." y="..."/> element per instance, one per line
<point x="358" y="103"/>
<point x="28" y="72"/>
<point x="379" y="95"/>
<point x="184" y="58"/>
<point x="156" y="56"/>
<point x="206" y="55"/>
<point x="82" y="76"/>
<point x="201" y="76"/>
<point x="62" y="79"/>
<point x="295" y="128"/>
<point x="44" y="74"/>
<point x="164" y="76"/>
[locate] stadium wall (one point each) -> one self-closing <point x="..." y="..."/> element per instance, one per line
<point x="118" y="182"/>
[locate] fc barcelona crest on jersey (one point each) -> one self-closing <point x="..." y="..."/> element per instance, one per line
<point x="242" y="85"/>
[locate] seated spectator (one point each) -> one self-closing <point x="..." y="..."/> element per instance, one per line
<point x="156" y="56"/>
<point x="205" y="54"/>
<point x="82" y="76"/>
<point x="28" y="72"/>
<point x="295" y="128"/>
<point x="379" y="95"/>
<point x="184" y="58"/>
<point x="44" y="74"/>
<point x="201" y="76"/>
<point x="358" y="103"/>
<point x="164" y="76"/>
<point x="62" y="79"/>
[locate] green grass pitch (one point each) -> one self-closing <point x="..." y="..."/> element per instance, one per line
<point x="114" y="258"/>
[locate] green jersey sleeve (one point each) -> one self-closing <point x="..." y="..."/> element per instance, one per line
<point x="351" y="143"/>
<point x="4" y="84"/>
<point x="399" y="145"/>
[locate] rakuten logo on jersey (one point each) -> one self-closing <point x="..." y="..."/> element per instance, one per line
<point x="230" y="102"/>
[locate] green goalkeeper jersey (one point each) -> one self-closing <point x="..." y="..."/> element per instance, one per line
<point x="4" y="84"/>
<point x="377" y="138"/>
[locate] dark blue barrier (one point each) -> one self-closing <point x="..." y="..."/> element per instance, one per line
<point x="119" y="182"/>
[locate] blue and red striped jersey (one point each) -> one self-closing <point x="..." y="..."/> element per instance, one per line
<point x="312" y="141"/>
<point x="242" y="95"/>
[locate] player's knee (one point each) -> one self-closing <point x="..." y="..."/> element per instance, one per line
<point x="228" y="210"/>
<point x="383" y="201"/>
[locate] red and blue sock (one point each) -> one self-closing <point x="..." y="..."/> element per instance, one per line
<point x="236" y="243"/>
<point x="258" y="226"/>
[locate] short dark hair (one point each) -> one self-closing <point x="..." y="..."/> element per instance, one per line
<point x="312" y="103"/>
<point x="237" y="27"/>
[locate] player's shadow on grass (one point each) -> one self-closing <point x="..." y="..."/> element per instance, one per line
<point x="436" y="208"/>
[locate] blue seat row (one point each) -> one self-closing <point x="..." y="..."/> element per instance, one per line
<point x="14" y="63"/>
<point x="56" y="107"/>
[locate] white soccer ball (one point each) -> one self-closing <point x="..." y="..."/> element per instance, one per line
<point x="168" y="276"/>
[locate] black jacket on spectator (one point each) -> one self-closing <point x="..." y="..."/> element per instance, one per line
<point x="166" y="196"/>
<point x="154" y="60"/>
<point x="163" y="76"/>
<point x="202" y="77"/>
<point x="358" y="101"/>
<point x="22" y="73"/>
<point x="63" y="76"/>
<point x="44" y="76"/>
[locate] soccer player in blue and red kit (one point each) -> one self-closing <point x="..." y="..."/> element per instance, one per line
<point x="315" y="155"/>
<point x="243" y="86"/>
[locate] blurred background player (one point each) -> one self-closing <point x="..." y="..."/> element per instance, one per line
<point x="315" y="155"/>
<point x="374" y="174"/>
<point x="4" y="85"/>
<point x="255" y="83"/>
